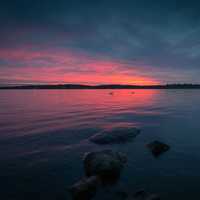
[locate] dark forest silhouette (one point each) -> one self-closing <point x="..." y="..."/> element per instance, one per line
<point x="111" y="86"/>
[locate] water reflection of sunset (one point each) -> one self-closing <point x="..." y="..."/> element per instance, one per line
<point x="113" y="98"/>
<point x="45" y="110"/>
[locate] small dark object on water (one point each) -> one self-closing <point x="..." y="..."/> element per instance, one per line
<point x="111" y="93"/>
<point x="157" y="148"/>
<point x="132" y="92"/>
<point x="85" y="189"/>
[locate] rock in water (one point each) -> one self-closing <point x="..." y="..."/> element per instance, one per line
<point x="157" y="148"/>
<point x="85" y="189"/>
<point x="142" y="195"/>
<point x="117" y="135"/>
<point x="121" y="195"/>
<point x="106" y="164"/>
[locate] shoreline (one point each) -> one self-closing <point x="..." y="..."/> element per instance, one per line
<point x="97" y="87"/>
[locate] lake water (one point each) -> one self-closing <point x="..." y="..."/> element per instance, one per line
<point x="44" y="134"/>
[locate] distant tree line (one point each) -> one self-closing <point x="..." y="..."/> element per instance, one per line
<point x="111" y="86"/>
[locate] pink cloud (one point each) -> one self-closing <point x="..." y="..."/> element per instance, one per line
<point x="65" y="66"/>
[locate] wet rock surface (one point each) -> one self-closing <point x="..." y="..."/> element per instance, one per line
<point x="143" y="195"/>
<point x="116" y="135"/>
<point x="121" y="195"/>
<point x="140" y="195"/>
<point x="106" y="164"/>
<point x="157" y="148"/>
<point x="84" y="189"/>
<point x="102" y="167"/>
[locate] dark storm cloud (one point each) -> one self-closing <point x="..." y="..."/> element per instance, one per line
<point x="162" y="34"/>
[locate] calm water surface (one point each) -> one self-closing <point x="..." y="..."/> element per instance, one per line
<point x="44" y="134"/>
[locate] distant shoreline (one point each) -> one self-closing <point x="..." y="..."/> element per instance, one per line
<point x="76" y="86"/>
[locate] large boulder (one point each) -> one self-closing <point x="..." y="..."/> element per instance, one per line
<point x="106" y="164"/>
<point x="116" y="135"/>
<point x="85" y="189"/>
<point x="157" y="148"/>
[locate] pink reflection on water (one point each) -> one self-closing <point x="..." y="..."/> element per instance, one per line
<point x="25" y="112"/>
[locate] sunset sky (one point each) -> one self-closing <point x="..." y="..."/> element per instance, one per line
<point x="99" y="41"/>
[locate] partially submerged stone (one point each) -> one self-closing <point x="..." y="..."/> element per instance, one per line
<point x="157" y="148"/>
<point x="106" y="164"/>
<point x="143" y="195"/>
<point x="116" y="135"/>
<point x="121" y="195"/>
<point x="85" y="189"/>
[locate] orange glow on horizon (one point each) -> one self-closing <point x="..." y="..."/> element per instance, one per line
<point x="47" y="77"/>
<point x="59" y="67"/>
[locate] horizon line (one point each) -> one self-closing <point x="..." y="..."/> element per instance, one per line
<point x="91" y="85"/>
<point x="103" y="86"/>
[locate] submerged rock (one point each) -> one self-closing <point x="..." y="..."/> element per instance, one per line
<point x="85" y="189"/>
<point x="117" y="135"/>
<point x="157" y="148"/>
<point x="106" y="164"/>
<point x="142" y="195"/>
<point x="101" y="167"/>
<point x="121" y="195"/>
